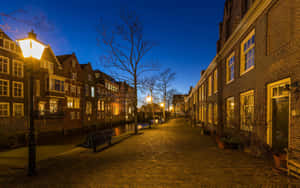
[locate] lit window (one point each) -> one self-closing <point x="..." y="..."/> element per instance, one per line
<point x="93" y="91"/>
<point x="78" y="115"/>
<point x="17" y="89"/>
<point x="66" y="87"/>
<point x="215" y="81"/>
<point x="230" y="68"/>
<point x="216" y="113"/>
<point x="99" y="105"/>
<point x="102" y="105"/>
<point x="88" y="108"/>
<point x="72" y="115"/>
<point x="73" y="90"/>
<point x="4" y="109"/>
<point x="53" y="106"/>
<point x="42" y="109"/>
<point x="209" y="85"/>
<point x="200" y="112"/>
<point x="77" y="103"/>
<point x="70" y="102"/>
<point x="4" y="88"/>
<point x="78" y="91"/>
<point x="4" y="68"/>
<point x="210" y="111"/>
<point x="18" y="68"/>
<point x="18" y="109"/>
<point x="90" y="77"/>
<point x="230" y="112"/>
<point x="247" y="110"/>
<point x="248" y="53"/>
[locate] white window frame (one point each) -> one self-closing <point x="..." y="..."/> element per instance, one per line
<point x="15" y="107"/>
<point x="17" y="63"/>
<point x="7" y="81"/>
<point x="8" y="110"/>
<point x="2" y="64"/>
<point x="22" y="89"/>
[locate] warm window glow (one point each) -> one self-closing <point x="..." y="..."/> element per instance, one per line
<point x="216" y="113"/>
<point x="210" y="113"/>
<point x="18" y="109"/>
<point x="116" y="109"/>
<point x="53" y="106"/>
<point x="247" y="110"/>
<point x="215" y="81"/>
<point x="209" y="85"/>
<point x="31" y="48"/>
<point x="230" y="112"/>
<point x="4" y="109"/>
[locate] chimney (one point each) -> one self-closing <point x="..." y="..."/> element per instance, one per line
<point x="31" y="34"/>
<point x="202" y="72"/>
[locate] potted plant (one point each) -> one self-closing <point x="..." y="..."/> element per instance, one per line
<point x="279" y="156"/>
<point x="279" y="153"/>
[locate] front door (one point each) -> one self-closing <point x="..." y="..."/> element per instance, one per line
<point x="280" y="122"/>
<point x="278" y="110"/>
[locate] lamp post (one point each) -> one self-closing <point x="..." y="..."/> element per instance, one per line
<point x="162" y="105"/>
<point x="31" y="49"/>
<point x="150" y="101"/>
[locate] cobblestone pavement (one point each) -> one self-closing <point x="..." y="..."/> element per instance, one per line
<point x="172" y="155"/>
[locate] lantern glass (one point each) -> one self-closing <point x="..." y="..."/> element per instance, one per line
<point x="31" y="48"/>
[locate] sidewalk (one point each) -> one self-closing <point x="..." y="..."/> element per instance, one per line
<point x="17" y="159"/>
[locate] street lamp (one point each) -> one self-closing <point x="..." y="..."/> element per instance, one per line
<point x="162" y="104"/>
<point x="149" y="99"/>
<point x="31" y="49"/>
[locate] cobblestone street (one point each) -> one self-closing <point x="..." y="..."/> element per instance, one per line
<point x="171" y="155"/>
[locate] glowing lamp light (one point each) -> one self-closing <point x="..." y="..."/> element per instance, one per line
<point x="31" y="47"/>
<point x="162" y="105"/>
<point x="149" y="99"/>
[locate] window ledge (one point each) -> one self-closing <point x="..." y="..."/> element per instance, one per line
<point x="228" y="82"/>
<point x="248" y="70"/>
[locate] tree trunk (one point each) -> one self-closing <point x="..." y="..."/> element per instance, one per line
<point x="165" y="96"/>
<point x="135" y="107"/>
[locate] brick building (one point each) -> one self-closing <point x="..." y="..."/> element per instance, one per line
<point x="251" y="88"/>
<point x="67" y="95"/>
<point x="178" y="104"/>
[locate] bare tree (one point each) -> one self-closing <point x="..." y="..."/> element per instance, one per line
<point x="126" y="47"/>
<point x="166" y="78"/>
<point x="24" y="18"/>
<point x="150" y="85"/>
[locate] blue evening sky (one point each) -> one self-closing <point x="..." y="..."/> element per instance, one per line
<point x="186" y="30"/>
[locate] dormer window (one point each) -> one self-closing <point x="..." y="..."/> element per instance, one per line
<point x="90" y="77"/>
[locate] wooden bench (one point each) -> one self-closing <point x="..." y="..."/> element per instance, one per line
<point x="98" y="138"/>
